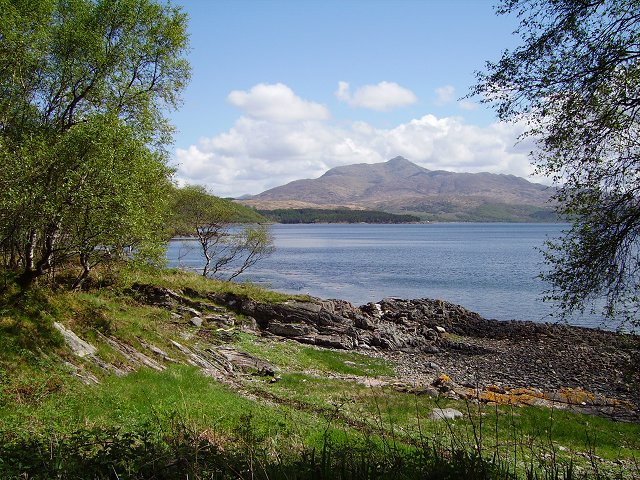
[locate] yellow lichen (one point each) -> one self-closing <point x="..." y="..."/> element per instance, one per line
<point x="576" y="395"/>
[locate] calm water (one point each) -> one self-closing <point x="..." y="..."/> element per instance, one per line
<point x="487" y="268"/>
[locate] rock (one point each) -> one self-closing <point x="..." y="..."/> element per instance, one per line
<point x="426" y="390"/>
<point x="77" y="345"/>
<point x="246" y="362"/>
<point x="289" y="329"/>
<point x="249" y="325"/>
<point x="156" y="351"/>
<point x="308" y="306"/>
<point x="221" y="319"/>
<point x="363" y="323"/>
<point x="431" y="349"/>
<point x="189" y="310"/>
<point x="440" y="329"/>
<point x="130" y="353"/>
<point x="196" y="321"/>
<point x="334" y="341"/>
<point x="401" y="387"/>
<point x="445" y="414"/>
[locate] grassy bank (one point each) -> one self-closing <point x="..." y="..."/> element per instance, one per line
<point x="317" y="414"/>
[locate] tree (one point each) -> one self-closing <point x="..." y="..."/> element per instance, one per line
<point x="230" y="239"/>
<point x="575" y="82"/>
<point x="84" y="87"/>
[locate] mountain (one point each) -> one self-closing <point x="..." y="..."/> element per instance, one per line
<point x="400" y="186"/>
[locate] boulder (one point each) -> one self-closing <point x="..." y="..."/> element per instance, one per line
<point x="289" y="329"/>
<point x="445" y="414"/>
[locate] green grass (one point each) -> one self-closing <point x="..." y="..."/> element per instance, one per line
<point x="158" y="402"/>
<point x="26" y="323"/>
<point x="147" y="397"/>
<point x="180" y="279"/>
<point x="316" y="405"/>
<point x="407" y="415"/>
<point x="294" y="356"/>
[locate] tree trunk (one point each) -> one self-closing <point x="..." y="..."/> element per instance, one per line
<point x="29" y="251"/>
<point x="26" y="278"/>
<point x="86" y="268"/>
<point x="31" y="272"/>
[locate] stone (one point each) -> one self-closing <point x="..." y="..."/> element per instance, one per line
<point x="190" y="310"/>
<point x="77" y="345"/>
<point x="311" y="307"/>
<point x="222" y="319"/>
<point x="440" y="329"/>
<point x="196" y="321"/>
<point x="426" y="390"/>
<point x="445" y="414"/>
<point x="249" y="325"/>
<point x="246" y="362"/>
<point x="289" y="329"/>
<point x="334" y="341"/>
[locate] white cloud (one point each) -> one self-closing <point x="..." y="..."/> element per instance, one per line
<point x="256" y="154"/>
<point x="467" y="105"/>
<point x="444" y="95"/>
<point x="382" y="97"/>
<point x="277" y="103"/>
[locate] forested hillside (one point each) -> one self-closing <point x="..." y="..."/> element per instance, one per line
<point x="313" y="215"/>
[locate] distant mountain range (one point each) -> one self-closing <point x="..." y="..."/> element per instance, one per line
<point x="400" y="186"/>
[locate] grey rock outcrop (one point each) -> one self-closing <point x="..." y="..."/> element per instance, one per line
<point x="392" y="324"/>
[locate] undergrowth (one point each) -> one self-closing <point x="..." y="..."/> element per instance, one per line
<point x="315" y="420"/>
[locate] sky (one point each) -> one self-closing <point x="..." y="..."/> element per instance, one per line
<point x="287" y="89"/>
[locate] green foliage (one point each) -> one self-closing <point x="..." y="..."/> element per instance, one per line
<point x="575" y="81"/>
<point x="228" y="248"/>
<point x="179" y="422"/>
<point x="181" y="279"/>
<point x="85" y="85"/>
<point x="184" y="452"/>
<point x="312" y="215"/>
<point x="193" y="206"/>
<point x="26" y="323"/>
<point x="444" y="211"/>
<point x="319" y="420"/>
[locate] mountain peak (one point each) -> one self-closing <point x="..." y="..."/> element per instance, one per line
<point x="399" y="185"/>
<point x="401" y="167"/>
<point x="399" y="160"/>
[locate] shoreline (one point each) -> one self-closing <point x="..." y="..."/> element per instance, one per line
<point x="587" y="370"/>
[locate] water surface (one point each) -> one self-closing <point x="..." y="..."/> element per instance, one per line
<point x="489" y="268"/>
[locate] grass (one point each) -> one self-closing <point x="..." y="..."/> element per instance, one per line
<point x="141" y="398"/>
<point x="181" y="401"/>
<point x="293" y="356"/>
<point x="317" y="419"/>
<point x="180" y="279"/>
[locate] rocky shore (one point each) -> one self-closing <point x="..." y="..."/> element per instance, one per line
<point x="443" y="349"/>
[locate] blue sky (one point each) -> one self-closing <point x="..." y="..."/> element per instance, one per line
<point x="286" y="89"/>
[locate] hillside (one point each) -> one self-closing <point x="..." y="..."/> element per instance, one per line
<point x="400" y="186"/>
<point x="165" y="374"/>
